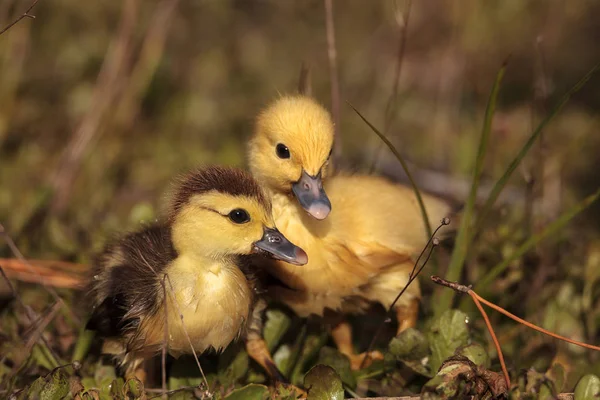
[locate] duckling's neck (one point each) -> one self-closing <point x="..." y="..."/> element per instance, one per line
<point x="192" y="262"/>
<point x="284" y="209"/>
<point x="292" y="219"/>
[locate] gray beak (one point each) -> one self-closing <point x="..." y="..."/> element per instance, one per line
<point x="274" y="243"/>
<point x="311" y="196"/>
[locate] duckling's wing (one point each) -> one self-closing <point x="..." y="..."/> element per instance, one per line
<point x="380" y="218"/>
<point x="126" y="283"/>
<point x="107" y="316"/>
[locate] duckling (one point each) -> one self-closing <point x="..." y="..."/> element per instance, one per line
<point x="360" y="232"/>
<point x="217" y="218"/>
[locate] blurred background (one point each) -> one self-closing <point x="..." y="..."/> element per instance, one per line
<point x="102" y="103"/>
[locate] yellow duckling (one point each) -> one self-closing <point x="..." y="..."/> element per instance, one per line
<point x="217" y="216"/>
<point x="360" y="232"/>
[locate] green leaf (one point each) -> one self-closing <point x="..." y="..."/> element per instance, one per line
<point x="312" y="345"/>
<point x="88" y="383"/>
<point x="176" y="382"/>
<point x="184" y="372"/>
<point x="134" y="389"/>
<point x="56" y="387"/>
<point x="476" y="353"/>
<point x="588" y="388"/>
<point x="336" y="360"/>
<point x="409" y="344"/>
<point x="410" y="347"/>
<point x="442" y="386"/>
<point x="276" y="325"/>
<point x="232" y="365"/>
<point x="323" y="383"/>
<point x="447" y="332"/>
<point x="249" y="392"/>
<point x="533" y="385"/>
<point x="183" y="395"/>
<point x="104" y="375"/>
<point x="36" y="387"/>
<point x="116" y="389"/>
<point x="286" y="358"/>
<point x="94" y="395"/>
<point x="533" y="241"/>
<point x="444" y="297"/>
<point x="376" y="369"/>
<point x="558" y="375"/>
<point x="283" y="358"/>
<point x="404" y="167"/>
<point x="285" y="392"/>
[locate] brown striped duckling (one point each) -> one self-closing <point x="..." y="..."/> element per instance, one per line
<point x="189" y="273"/>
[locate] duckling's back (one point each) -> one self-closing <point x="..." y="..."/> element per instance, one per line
<point x="372" y="211"/>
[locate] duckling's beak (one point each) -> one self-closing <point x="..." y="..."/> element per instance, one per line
<point x="311" y="196"/>
<point x="277" y="245"/>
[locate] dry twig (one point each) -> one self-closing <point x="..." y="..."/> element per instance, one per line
<point x="54" y="273"/>
<point x="165" y="341"/>
<point x="107" y="85"/>
<point x="466" y="289"/>
<point x="333" y="72"/>
<point x="22" y="16"/>
<point x="151" y="52"/>
<point x="33" y="317"/>
<point x="390" y="108"/>
<point x="176" y="303"/>
<point x="15" y="250"/>
<point x="41" y="324"/>
<point x="304" y="81"/>
<point x="478" y="300"/>
<point x="174" y="391"/>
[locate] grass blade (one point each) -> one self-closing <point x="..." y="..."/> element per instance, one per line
<point x="497" y="189"/>
<point x="555" y="226"/>
<point x="444" y="298"/>
<point x="83" y="344"/>
<point x="404" y="166"/>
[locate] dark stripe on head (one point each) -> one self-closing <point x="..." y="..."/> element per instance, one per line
<point x="232" y="181"/>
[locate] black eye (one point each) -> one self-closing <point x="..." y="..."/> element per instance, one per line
<point x="239" y="216"/>
<point x="282" y="151"/>
<point x="330" y="152"/>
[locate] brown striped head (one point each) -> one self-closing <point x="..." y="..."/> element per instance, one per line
<point x="217" y="212"/>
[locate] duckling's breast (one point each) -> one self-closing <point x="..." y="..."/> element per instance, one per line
<point x="333" y="269"/>
<point x="210" y="305"/>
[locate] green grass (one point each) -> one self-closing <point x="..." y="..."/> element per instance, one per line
<point x="534" y="240"/>
<point x="405" y="167"/>
<point x="443" y="298"/>
<point x="501" y="183"/>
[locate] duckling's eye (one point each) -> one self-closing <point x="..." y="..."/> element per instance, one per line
<point x="282" y="151"/>
<point x="239" y="216"/>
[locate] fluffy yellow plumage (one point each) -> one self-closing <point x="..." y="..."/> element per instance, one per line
<point x="360" y="232"/>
